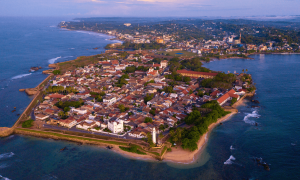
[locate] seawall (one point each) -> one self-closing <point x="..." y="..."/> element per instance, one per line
<point x="5" y="131"/>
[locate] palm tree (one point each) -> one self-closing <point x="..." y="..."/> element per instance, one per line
<point x="246" y="71"/>
<point x="243" y="70"/>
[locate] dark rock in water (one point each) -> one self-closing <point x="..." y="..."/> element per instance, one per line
<point x="35" y="68"/>
<point x="109" y="147"/>
<point x="65" y="148"/>
<point x="221" y="123"/>
<point x="256" y="124"/>
<point x="255" y="101"/>
<point x="255" y="106"/>
<point x="261" y="163"/>
<point x="18" y="114"/>
<point x="13" y="110"/>
<point x="266" y="166"/>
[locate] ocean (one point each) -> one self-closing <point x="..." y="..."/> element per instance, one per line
<point x="231" y="148"/>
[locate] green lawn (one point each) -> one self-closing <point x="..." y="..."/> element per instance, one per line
<point x="73" y="137"/>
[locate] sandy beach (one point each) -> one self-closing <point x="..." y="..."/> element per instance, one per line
<point x="180" y="155"/>
<point x="132" y="155"/>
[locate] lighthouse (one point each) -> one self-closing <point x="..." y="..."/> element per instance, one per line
<point x="154" y="136"/>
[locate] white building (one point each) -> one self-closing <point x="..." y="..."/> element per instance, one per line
<point x="163" y="64"/>
<point x="110" y="100"/>
<point x="78" y="110"/>
<point x="88" y="124"/>
<point x="116" y="126"/>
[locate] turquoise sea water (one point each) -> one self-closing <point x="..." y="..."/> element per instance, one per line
<point x="276" y="139"/>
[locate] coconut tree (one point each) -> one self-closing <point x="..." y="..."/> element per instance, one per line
<point x="246" y="71"/>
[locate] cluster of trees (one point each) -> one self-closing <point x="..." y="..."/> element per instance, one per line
<point x="123" y="108"/>
<point x="122" y="80"/>
<point x="63" y="114"/>
<point x="194" y="64"/>
<point x="152" y="81"/>
<point x="132" y="69"/>
<point x="178" y="77"/>
<point x="190" y="137"/>
<point x="168" y="89"/>
<point x="148" y="97"/>
<point x="61" y="90"/>
<point x="152" y="111"/>
<point x="98" y="96"/>
<point x="162" y="127"/>
<point x="148" y="120"/>
<point x="233" y="100"/>
<point x="222" y="80"/>
<point x="67" y="104"/>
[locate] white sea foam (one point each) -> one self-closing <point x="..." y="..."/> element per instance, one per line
<point x="6" y="155"/>
<point x="71" y="48"/>
<point x="254" y="114"/>
<point x="68" y="56"/>
<point x="51" y="61"/>
<point x="2" y="166"/>
<point x="231" y="147"/>
<point x="3" y="178"/>
<point x="20" y="76"/>
<point x="293" y="144"/>
<point x="230" y="160"/>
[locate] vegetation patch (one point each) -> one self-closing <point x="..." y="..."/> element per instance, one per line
<point x="133" y="149"/>
<point x="27" y="124"/>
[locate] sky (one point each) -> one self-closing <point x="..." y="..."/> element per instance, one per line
<point x="149" y="8"/>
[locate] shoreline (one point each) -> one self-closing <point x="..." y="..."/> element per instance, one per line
<point x="182" y="156"/>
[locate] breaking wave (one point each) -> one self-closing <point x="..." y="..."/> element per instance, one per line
<point x="52" y="61"/>
<point x="20" y="76"/>
<point x="3" y="178"/>
<point x="254" y="114"/>
<point x="6" y="155"/>
<point x="230" y="160"/>
<point x="231" y="147"/>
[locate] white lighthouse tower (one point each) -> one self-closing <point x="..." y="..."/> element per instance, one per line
<point x="154" y="136"/>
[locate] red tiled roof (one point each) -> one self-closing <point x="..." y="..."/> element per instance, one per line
<point x="56" y="96"/>
<point x="195" y="72"/>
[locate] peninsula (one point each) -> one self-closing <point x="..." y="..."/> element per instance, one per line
<point x="134" y="102"/>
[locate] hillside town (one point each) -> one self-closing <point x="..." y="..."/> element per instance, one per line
<point x="132" y="97"/>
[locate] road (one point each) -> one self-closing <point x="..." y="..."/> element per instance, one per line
<point x="74" y="129"/>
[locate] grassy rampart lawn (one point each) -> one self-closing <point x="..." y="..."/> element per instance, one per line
<point x="73" y="137"/>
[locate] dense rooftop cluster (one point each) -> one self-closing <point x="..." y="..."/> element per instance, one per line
<point x="130" y="96"/>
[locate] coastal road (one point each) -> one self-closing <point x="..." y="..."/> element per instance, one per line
<point x="74" y="129"/>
